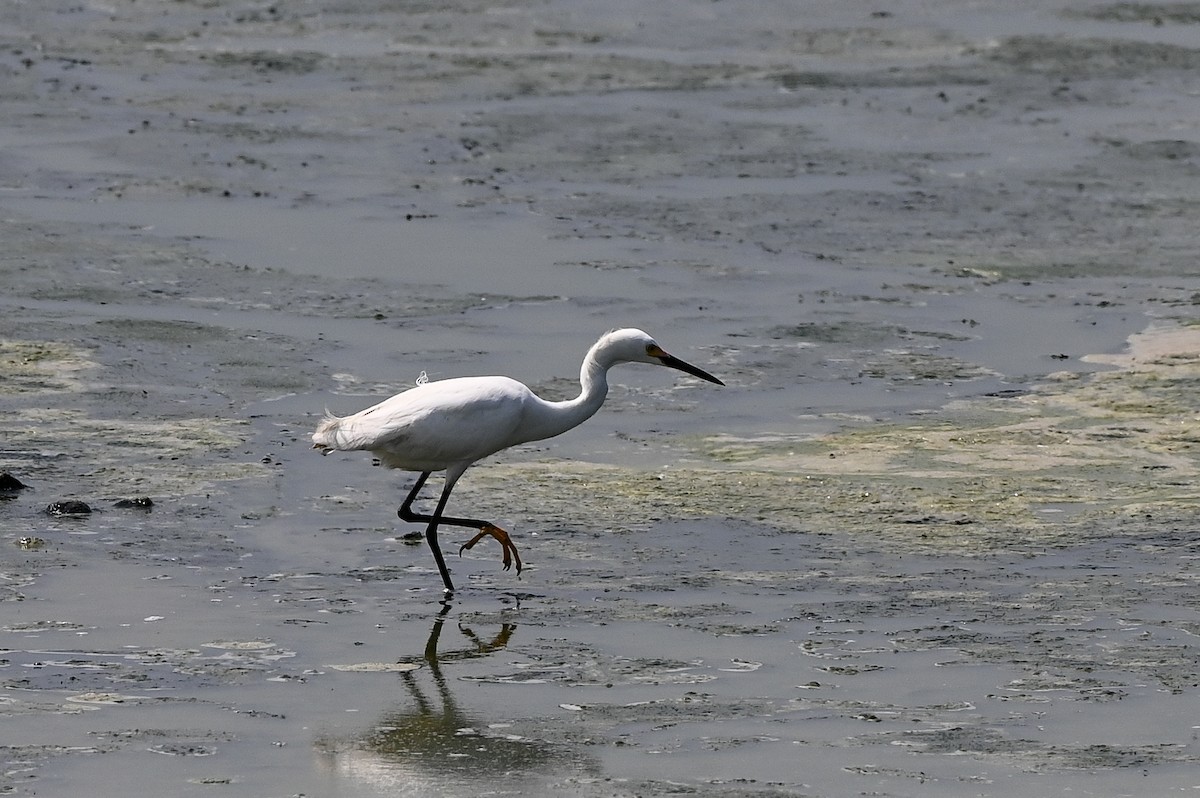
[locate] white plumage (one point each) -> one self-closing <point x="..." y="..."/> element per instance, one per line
<point x="446" y="425"/>
<point x="428" y="428"/>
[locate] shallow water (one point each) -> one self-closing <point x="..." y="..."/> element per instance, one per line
<point x="933" y="538"/>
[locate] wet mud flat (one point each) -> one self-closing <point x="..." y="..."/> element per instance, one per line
<point x="936" y="537"/>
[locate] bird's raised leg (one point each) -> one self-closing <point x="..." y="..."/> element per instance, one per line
<point x="486" y="529"/>
<point x="405" y="511"/>
<point x="491" y="530"/>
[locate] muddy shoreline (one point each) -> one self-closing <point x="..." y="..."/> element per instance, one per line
<point x="936" y="537"/>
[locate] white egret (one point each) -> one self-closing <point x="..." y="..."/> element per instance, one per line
<point x="446" y="425"/>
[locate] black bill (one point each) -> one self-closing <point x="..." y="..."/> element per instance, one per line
<point x="676" y="363"/>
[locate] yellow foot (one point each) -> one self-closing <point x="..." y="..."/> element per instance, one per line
<point x="510" y="549"/>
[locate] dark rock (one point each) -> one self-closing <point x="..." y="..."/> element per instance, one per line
<point x="68" y="507"/>
<point x="9" y="483"/>
<point x="140" y="503"/>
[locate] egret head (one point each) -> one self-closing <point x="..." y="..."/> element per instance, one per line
<point x="635" y="346"/>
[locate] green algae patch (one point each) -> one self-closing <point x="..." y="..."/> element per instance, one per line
<point x="41" y="367"/>
<point x="180" y="333"/>
<point x="122" y="456"/>
<point x="1074" y="457"/>
<point x="113" y="454"/>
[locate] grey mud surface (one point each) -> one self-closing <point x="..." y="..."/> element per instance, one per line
<point x="937" y="536"/>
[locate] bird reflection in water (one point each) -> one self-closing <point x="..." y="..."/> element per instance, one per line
<point x="435" y="747"/>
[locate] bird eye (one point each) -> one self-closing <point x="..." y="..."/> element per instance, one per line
<point x="654" y="350"/>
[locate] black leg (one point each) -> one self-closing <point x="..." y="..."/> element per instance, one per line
<point x="486" y="528"/>
<point x="431" y="538"/>
<point x="405" y="512"/>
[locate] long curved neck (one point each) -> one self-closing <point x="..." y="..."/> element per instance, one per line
<point x="555" y="418"/>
